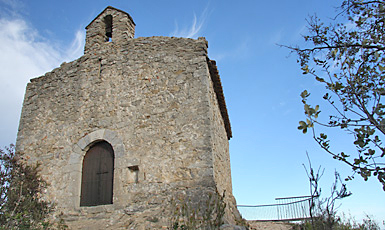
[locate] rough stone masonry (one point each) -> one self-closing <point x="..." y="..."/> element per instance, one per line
<point x="157" y="101"/>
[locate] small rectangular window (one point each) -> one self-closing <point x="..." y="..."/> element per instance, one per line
<point x="135" y="171"/>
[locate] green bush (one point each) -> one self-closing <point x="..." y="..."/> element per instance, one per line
<point x="320" y="223"/>
<point x="21" y="206"/>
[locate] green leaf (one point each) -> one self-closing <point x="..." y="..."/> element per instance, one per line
<point x="381" y="68"/>
<point x="360" y="143"/>
<point x="320" y="79"/>
<point x="306" y="107"/>
<point x="305" y="69"/>
<point x="344" y="155"/>
<point x="334" y="52"/>
<point x="305" y="94"/>
<point x="302" y="125"/>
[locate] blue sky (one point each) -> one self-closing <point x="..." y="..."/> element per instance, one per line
<point x="261" y="81"/>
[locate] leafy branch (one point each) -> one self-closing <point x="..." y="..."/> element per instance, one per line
<point x="347" y="57"/>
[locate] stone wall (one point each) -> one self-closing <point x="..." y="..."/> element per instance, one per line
<point x="220" y="143"/>
<point x="156" y="100"/>
<point x="149" y="99"/>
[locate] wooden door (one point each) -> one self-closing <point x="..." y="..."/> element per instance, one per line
<point x="97" y="175"/>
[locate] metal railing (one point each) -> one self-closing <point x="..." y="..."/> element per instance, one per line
<point x="286" y="209"/>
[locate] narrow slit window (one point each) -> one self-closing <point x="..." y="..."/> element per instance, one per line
<point x="108" y="23"/>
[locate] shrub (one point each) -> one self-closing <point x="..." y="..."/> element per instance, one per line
<point x="21" y="206"/>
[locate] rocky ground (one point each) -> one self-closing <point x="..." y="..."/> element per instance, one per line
<point x="267" y="225"/>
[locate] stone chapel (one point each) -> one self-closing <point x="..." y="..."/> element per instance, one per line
<point x="127" y="127"/>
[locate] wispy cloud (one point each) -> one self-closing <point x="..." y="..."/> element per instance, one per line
<point x="77" y="46"/>
<point x="276" y="37"/>
<point x="243" y="49"/>
<point x="12" y="8"/>
<point x="194" y="30"/>
<point x="283" y="36"/>
<point x="24" y="55"/>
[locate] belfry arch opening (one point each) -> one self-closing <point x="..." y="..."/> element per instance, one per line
<point x="97" y="175"/>
<point x="108" y="28"/>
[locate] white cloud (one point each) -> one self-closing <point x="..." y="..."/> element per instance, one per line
<point x="276" y="38"/>
<point x="77" y="46"/>
<point x="12" y="7"/>
<point x="195" y="29"/>
<point x="243" y="49"/>
<point x="24" y="55"/>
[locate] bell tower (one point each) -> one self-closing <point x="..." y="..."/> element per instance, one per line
<point x="111" y="25"/>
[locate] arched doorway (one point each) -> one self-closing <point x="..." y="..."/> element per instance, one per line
<point x="97" y="175"/>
